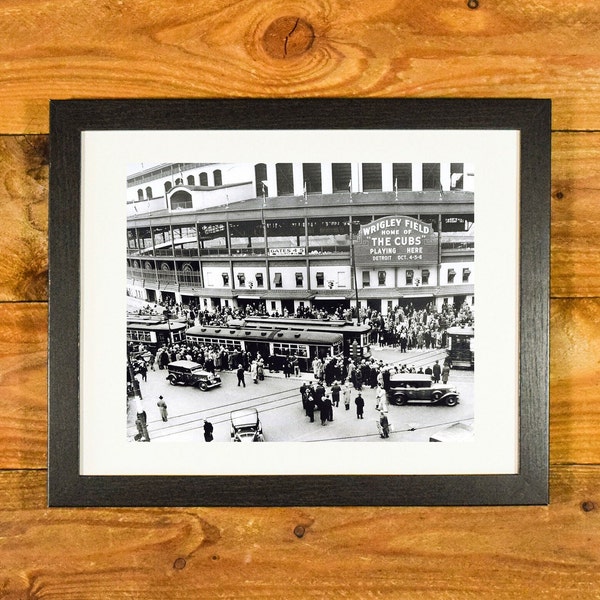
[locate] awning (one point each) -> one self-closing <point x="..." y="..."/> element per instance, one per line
<point x="242" y="297"/>
<point x="330" y="298"/>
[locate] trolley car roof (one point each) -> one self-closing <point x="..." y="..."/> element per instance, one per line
<point x="267" y="335"/>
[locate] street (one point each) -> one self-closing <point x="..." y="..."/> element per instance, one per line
<point x="283" y="419"/>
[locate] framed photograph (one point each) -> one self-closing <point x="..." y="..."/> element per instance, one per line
<point x="260" y="302"/>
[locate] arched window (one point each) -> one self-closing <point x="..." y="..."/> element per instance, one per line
<point x="260" y="176"/>
<point x="179" y="181"/>
<point x="203" y="179"/>
<point x="191" y="180"/>
<point x="181" y="199"/>
<point x="140" y="195"/>
<point x="149" y="193"/>
<point x="218" y="178"/>
<point x="168" y="186"/>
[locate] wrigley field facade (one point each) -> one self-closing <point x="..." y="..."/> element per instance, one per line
<point x="291" y="235"/>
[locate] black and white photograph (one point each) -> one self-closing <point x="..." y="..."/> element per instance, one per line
<point x="325" y="299"/>
<point x="301" y="302"/>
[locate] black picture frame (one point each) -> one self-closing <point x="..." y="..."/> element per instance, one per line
<point x="69" y="118"/>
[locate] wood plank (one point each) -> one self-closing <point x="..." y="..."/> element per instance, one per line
<point x="23" y="354"/>
<point x="150" y="48"/>
<point x="460" y="553"/>
<point x="575" y="256"/>
<point x="24" y="217"/>
<point x="574" y="381"/>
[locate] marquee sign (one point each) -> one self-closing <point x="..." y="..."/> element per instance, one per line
<point x="396" y="240"/>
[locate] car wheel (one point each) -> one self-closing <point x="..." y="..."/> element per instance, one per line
<point x="436" y="396"/>
<point x="401" y="400"/>
<point x="451" y="401"/>
<point x="203" y="386"/>
<point x="171" y="380"/>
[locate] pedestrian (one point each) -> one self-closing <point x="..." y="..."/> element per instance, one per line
<point x="384" y="426"/>
<point x="436" y="372"/>
<point x="445" y="373"/>
<point x="326" y="410"/>
<point x="254" y="371"/>
<point x="208" y="431"/>
<point x="310" y="407"/>
<point x="347" y="391"/>
<point x="382" y="404"/>
<point x="162" y="405"/>
<point x="240" y="376"/>
<point x="335" y="393"/>
<point x="360" y="406"/>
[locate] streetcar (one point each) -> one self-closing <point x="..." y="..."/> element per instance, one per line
<point x="460" y="346"/>
<point x="356" y="338"/>
<point x="154" y="333"/>
<point x="274" y="345"/>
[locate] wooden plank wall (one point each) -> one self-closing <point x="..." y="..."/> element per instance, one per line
<point x="215" y="48"/>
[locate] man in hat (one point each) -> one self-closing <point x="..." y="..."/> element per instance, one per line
<point x="162" y="406"/>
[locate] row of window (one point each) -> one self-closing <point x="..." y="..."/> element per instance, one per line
<point x="316" y="232"/>
<point x="243" y="281"/>
<point x="341" y="178"/>
<point x="203" y="180"/>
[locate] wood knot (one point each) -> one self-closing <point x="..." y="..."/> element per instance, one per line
<point x="287" y="37"/>
<point x="179" y="564"/>
<point x="588" y="506"/>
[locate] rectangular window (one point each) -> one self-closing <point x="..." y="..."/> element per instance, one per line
<point x="466" y="275"/>
<point x="341" y="279"/>
<point x="425" y="276"/>
<point x="456" y="176"/>
<point x="285" y="179"/>
<point x="402" y="175"/>
<point x="341" y="174"/>
<point x="409" y="276"/>
<point x="225" y="279"/>
<point x="366" y="278"/>
<point x="320" y="279"/>
<point x="277" y="280"/>
<point x="259" y="280"/>
<point x="371" y="173"/>
<point x="299" y="279"/>
<point x="273" y="305"/>
<point x="311" y="173"/>
<point x="241" y="279"/>
<point x="431" y="176"/>
<point x="451" y="275"/>
<point x="381" y="277"/>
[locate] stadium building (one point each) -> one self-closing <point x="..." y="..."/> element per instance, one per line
<point x="290" y="235"/>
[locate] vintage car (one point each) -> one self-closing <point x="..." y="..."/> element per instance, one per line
<point x="413" y="387"/>
<point x="246" y="426"/>
<point x="187" y="372"/>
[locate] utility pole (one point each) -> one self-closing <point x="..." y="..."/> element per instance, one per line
<point x="353" y="267"/>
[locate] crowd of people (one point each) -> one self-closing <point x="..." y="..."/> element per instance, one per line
<point x="404" y="327"/>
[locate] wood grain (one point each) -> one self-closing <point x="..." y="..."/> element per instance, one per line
<point x="501" y="552"/>
<point x="238" y="48"/>
<point x="575" y="215"/>
<point x="150" y="48"/>
<point x="24" y="217"/>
